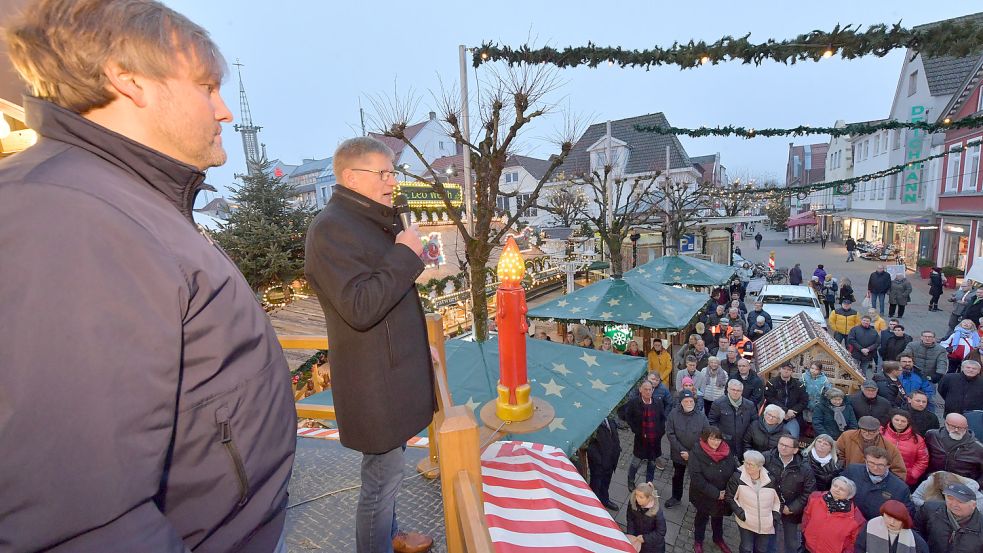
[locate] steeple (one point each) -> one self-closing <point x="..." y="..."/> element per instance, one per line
<point x="250" y="141"/>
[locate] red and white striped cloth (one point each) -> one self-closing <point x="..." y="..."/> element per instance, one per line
<point x="332" y="434"/>
<point x="535" y="500"/>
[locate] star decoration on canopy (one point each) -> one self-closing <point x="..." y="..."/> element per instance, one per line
<point x="557" y="424"/>
<point x="646" y="315"/>
<point x="562" y="303"/>
<point x="561" y="368"/>
<point x="553" y="389"/>
<point x="614" y="301"/>
<point x="607" y="315"/>
<point x="677" y="270"/>
<point x="575" y="310"/>
<point x="577" y="404"/>
<point x="593" y="298"/>
<point x="591" y="360"/>
<point x="596" y="384"/>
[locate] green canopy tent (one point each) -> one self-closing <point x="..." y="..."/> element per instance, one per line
<point x="583" y="386"/>
<point x="682" y="270"/>
<point x="626" y="301"/>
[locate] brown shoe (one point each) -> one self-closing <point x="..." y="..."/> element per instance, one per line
<point x="412" y="542"/>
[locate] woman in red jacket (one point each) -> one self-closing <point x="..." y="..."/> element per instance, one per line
<point x="831" y="520"/>
<point x="914" y="452"/>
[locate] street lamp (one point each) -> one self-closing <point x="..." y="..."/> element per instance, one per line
<point x="634" y="247"/>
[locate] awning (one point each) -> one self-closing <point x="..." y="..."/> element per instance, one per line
<point x="598" y="265"/>
<point x="684" y="270"/>
<point x="805" y="218"/>
<point x="912" y="218"/>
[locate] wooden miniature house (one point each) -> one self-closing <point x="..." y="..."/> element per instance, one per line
<point x="802" y="340"/>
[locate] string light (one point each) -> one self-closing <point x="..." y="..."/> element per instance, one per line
<point x="705" y="60"/>
<point x="828" y="53"/>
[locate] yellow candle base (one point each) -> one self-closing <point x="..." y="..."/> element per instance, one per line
<point x="521" y="411"/>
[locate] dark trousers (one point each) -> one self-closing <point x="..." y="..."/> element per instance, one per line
<point x="700" y="527"/>
<point x="600" y="482"/>
<point x="891" y="308"/>
<point x="752" y="542"/>
<point x="633" y="467"/>
<point x="757" y="244"/>
<point x="933" y="303"/>
<point x="678" y="473"/>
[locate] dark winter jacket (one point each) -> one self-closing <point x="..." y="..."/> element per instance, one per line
<point x="860" y="338"/>
<point x="935" y="284"/>
<point x="974" y="310"/>
<point x="707" y="479"/>
<point x="879" y="282"/>
<point x="795" y="275"/>
<point x="824" y="474"/>
<point x="733" y="423"/>
<point x="871" y="496"/>
<point x="943" y="536"/>
<point x="646" y="447"/>
<point x="794" y="483"/>
<point x="888" y="389"/>
<point x="931" y="360"/>
<point x="892" y="346"/>
<point x="683" y="430"/>
<point x="877" y="407"/>
<point x="924" y="420"/>
<point x="171" y="425"/>
<point x="961" y="393"/>
<point x="651" y="526"/>
<point x="381" y="373"/>
<point x="964" y="457"/>
<point x="851" y="244"/>
<point x="753" y="315"/>
<point x="754" y="387"/>
<point x="759" y="438"/>
<point x="846" y="292"/>
<point x="604" y="449"/>
<point x="824" y="421"/>
<point x="787" y="395"/>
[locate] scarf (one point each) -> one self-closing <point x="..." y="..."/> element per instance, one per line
<point x="770" y="427"/>
<point x="716" y="455"/>
<point x="877" y="479"/>
<point x="821" y="460"/>
<point x="737" y="403"/>
<point x="879" y="538"/>
<point x="838" y="416"/>
<point x="836" y="505"/>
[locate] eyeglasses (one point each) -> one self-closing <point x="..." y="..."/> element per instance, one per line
<point x="384" y="174"/>
<point x="953" y="427"/>
<point x="876" y="465"/>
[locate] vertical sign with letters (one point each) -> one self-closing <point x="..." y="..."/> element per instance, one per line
<point x="912" y="172"/>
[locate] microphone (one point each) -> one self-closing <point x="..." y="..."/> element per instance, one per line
<point x="403" y="209"/>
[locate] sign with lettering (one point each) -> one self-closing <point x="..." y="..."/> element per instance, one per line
<point x="421" y="194"/>
<point x="913" y="171"/>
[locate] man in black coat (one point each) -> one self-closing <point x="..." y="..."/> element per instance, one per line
<point x="851" y="246"/>
<point x="602" y="458"/>
<point x="954" y="448"/>
<point x="962" y="391"/>
<point x="863" y="343"/>
<point x="789" y="394"/>
<point x="754" y="388"/>
<point x="733" y="414"/>
<point x="646" y="417"/>
<point x="794" y="481"/>
<point x="795" y="275"/>
<point x="878" y="285"/>
<point x="953" y="526"/>
<point x="974" y="307"/>
<point x="889" y="384"/>
<point x="868" y="402"/>
<point x="363" y="265"/>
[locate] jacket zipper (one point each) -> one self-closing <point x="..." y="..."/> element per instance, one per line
<point x="389" y="344"/>
<point x="225" y="431"/>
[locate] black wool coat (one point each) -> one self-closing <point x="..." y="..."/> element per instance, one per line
<point x="733" y="423"/>
<point x="759" y="438"/>
<point x="707" y="479"/>
<point x="381" y="373"/>
<point x="794" y="483"/>
<point x="605" y="447"/>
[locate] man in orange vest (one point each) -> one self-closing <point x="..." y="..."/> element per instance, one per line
<point x="744" y="345"/>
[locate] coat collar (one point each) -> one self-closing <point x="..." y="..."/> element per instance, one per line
<point x="177" y="181"/>
<point x="359" y="204"/>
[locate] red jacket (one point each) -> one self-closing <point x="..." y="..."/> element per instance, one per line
<point x="820" y="527"/>
<point x="913" y="449"/>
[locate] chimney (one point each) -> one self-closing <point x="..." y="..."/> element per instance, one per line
<point x="433" y="115"/>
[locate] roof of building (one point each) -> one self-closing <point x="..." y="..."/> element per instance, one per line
<point x="647" y="149"/>
<point x="441" y="164"/>
<point x="945" y="74"/>
<point x="396" y="144"/>
<point x="218" y="204"/>
<point x="310" y="166"/>
<point x="535" y="166"/>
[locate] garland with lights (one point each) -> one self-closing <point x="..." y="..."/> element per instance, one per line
<point x="957" y="39"/>
<point x="301" y="376"/>
<point x="853" y="129"/>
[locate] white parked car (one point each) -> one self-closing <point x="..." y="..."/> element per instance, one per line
<point x="784" y="301"/>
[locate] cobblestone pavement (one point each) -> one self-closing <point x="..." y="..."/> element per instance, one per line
<point x="327" y="525"/>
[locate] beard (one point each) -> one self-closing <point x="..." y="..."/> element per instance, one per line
<point x="957" y="436"/>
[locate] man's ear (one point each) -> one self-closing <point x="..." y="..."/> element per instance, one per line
<point x="126" y="84"/>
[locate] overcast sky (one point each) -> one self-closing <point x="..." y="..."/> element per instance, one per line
<point x="308" y="63"/>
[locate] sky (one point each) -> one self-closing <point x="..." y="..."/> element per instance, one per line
<point x="308" y="64"/>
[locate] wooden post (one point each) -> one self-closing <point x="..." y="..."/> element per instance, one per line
<point x="435" y="335"/>
<point x="457" y="439"/>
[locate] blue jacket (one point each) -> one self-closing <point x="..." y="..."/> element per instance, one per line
<point x="871" y="496"/>
<point x="915" y="381"/>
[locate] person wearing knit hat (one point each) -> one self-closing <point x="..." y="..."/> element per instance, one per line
<point x="892" y="532"/>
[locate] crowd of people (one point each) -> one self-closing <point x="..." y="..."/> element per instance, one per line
<point x="799" y="463"/>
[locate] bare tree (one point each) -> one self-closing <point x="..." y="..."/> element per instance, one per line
<point x="513" y="100"/>
<point x="735" y="198"/>
<point x="679" y="205"/>
<point x="565" y="204"/>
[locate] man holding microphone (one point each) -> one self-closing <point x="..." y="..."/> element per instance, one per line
<point x="363" y="266"/>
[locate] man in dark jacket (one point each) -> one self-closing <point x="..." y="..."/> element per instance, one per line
<point x="928" y="356"/>
<point x="889" y="384"/>
<point x="894" y="340"/>
<point x="878" y="285"/>
<point x="867" y="402"/>
<point x="962" y="391"/>
<point x="795" y="275"/>
<point x="647" y="419"/>
<point x="757" y="241"/>
<point x="172" y="424"/>
<point x="974" y="307"/>
<point x="953" y="526"/>
<point x="754" y="388"/>
<point x="363" y="266"/>
<point x="789" y="394"/>
<point x="851" y="246"/>
<point x="683" y="428"/>
<point x="863" y="342"/>
<point x="875" y="484"/>
<point x="794" y="481"/>
<point x="759" y="311"/>
<point x="733" y="414"/>
<point x="954" y="448"/>
<point x="922" y="417"/>
<point x="602" y="458"/>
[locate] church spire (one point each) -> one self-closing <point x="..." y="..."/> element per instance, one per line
<point x="250" y="139"/>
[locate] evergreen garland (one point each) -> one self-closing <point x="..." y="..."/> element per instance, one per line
<point x="853" y="129"/>
<point x="957" y="39"/>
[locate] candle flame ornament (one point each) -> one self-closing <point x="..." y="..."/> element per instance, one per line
<point x="513" y="403"/>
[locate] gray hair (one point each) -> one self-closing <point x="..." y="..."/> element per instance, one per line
<point x="776" y="410"/>
<point x="353" y="149"/>
<point x="970" y="362"/>
<point x="828" y="439"/>
<point x="753" y="457"/>
<point x="847" y="483"/>
<point x="743" y="361"/>
<point x="736" y="383"/>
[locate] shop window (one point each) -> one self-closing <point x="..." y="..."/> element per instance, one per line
<point x="896" y="138"/>
<point x="972" y="169"/>
<point x="952" y="171"/>
<point x="895" y="186"/>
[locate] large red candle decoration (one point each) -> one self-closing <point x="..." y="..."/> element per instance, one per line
<point x="513" y="403"/>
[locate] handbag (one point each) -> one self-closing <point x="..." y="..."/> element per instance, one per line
<point x="866" y="303"/>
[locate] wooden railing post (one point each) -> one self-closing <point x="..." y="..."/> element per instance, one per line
<point x="435" y="335"/>
<point x="457" y="438"/>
